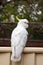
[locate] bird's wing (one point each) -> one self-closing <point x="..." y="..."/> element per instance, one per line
<point x="21" y="43"/>
<point x="19" y="38"/>
<point x="23" y="39"/>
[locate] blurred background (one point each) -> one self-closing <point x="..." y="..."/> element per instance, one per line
<point x="29" y="9"/>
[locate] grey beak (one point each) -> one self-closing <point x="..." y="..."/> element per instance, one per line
<point x="28" y="23"/>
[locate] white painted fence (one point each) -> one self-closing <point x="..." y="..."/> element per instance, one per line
<point x="30" y="56"/>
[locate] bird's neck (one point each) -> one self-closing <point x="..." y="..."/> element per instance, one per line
<point x="22" y="27"/>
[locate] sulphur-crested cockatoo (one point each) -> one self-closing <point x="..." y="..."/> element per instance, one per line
<point x="18" y="39"/>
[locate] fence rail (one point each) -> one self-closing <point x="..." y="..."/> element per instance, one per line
<point x="6" y="29"/>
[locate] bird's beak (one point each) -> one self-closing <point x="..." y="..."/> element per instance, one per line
<point x="27" y="23"/>
<point x="17" y="18"/>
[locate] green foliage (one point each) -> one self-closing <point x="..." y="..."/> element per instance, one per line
<point x="29" y="9"/>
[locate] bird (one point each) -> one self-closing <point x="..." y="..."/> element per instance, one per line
<point x="19" y="37"/>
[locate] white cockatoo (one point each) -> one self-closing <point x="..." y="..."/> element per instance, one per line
<point x="12" y="20"/>
<point x="18" y="39"/>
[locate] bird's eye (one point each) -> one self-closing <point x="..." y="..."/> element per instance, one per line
<point x="26" y="22"/>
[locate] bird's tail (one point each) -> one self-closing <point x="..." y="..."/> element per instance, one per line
<point x="15" y="59"/>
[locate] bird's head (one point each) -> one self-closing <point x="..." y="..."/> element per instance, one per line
<point x="23" y="22"/>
